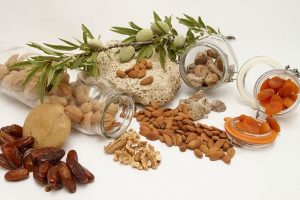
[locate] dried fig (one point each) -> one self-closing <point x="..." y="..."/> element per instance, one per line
<point x="48" y="124"/>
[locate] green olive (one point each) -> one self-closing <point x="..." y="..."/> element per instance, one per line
<point x="126" y="53"/>
<point x="179" y="41"/>
<point x="157" y="30"/>
<point x="94" y="44"/>
<point x="144" y="35"/>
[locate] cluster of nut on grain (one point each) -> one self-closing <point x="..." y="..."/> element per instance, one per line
<point x="20" y="159"/>
<point x="138" y="70"/>
<point x="129" y="150"/>
<point x="206" y="70"/>
<point x="175" y="128"/>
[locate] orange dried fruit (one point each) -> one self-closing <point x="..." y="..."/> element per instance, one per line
<point x="274" y="108"/>
<point x="265" y="94"/>
<point x="273" y="123"/>
<point x="251" y="125"/>
<point x="265" y="102"/>
<point x="265" y="85"/>
<point x="276" y="82"/>
<point x="287" y="88"/>
<point x="288" y="102"/>
<point x="294" y="97"/>
<point x="242" y="117"/>
<point x="277" y="98"/>
<point x="264" y="128"/>
<point x="296" y="88"/>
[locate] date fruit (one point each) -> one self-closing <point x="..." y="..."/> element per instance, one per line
<point x="24" y="143"/>
<point x="12" y="154"/>
<point x="13" y="130"/>
<point x="4" y="162"/>
<point x="5" y="138"/>
<point x="53" y="177"/>
<point x="17" y="174"/>
<point x="66" y="177"/>
<point x="47" y="154"/>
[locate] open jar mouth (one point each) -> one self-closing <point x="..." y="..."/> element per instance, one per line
<point x="284" y="74"/>
<point x="185" y="66"/>
<point x="234" y="121"/>
<point x="124" y="110"/>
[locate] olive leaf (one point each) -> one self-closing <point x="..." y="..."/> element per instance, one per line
<point x="134" y="26"/>
<point x="156" y="16"/>
<point x="61" y="47"/>
<point x="123" y="30"/>
<point x="162" y="56"/>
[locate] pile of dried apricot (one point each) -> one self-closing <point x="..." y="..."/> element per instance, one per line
<point x="254" y="126"/>
<point x="277" y="94"/>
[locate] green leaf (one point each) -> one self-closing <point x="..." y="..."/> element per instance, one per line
<point x="50" y="76"/>
<point x="68" y="42"/>
<point x="87" y="32"/>
<point x="44" y="49"/>
<point x="162" y="56"/>
<point x="41" y="63"/>
<point x="81" y="43"/>
<point x="173" y="31"/>
<point x="42" y="84"/>
<point x="129" y="40"/>
<point x="211" y="30"/>
<point x="168" y="20"/>
<point x="45" y="58"/>
<point x="145" y="52"/>
<point x="20" y="65"/>
<point x="123" y="30"/>
<point x="30" y="75"/>
<point x="201" y="23"/>
<point x="134" y="26"/>
<point x="156" y="16"/>
<point x="160" y="28"/>
<point x="56" y="78"/>
<point x="192" y="20"/>
<point x="186" y="22"/>
<point x="61" y="47"/>
<point x="60" y="64"/>
<point x="76" y="63"/>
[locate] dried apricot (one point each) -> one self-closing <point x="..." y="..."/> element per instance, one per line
<point x="276" y="82"/>
<point x="242" y="117"/>
<point x="265" y="94"/>
<point x="277" y="98"/>
<point x="265" y="85"/>
<point x="264" y="128"/>
<point x="274" y="108"/>
<point x="265" y="102"/>
<point x="296" y="88"/>
<point x="287" y="88"/>
<point x="288" y="102"/>
<point x="273" y="123"/>
<point x="251" y="125"/>
<point x="294" y="97"/>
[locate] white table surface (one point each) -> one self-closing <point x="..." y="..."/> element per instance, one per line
<point x="262" y="28"/>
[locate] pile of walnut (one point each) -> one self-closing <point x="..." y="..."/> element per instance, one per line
<point x="129" y="150"/>
<point x="138" y="70"/>
<point x="206" y="70"/>
<point x="20" y="159"/>
<point x="175" y="128"/>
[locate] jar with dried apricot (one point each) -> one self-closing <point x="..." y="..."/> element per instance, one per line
<point x="275" y="92"/>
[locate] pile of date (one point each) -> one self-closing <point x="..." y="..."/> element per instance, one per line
<point x="20" y="159"/>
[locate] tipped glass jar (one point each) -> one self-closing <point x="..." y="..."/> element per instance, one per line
<point x="208" y="63"/>
<point x="275" y="91"/>
<point x="95" y="106"/>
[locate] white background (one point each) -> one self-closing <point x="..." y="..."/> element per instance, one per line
<point x="262" y="28"/>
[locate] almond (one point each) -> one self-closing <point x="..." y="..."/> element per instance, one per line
<point x="157" y="113"/>
<point x="153" y="135"/>
<point x="146" y="81"/>
<point x="74" y="113"/>
<point x="142" y="73"/>
<point x="231" y="152"/>
<point x="155" y="105"/>
<point x="182" y="147"/>
<point x="204" y="149"/>
<point x="195" y="144"/>
<point x="198" y="153"/>
<point x="145" y="131"/>
<point x="178" y="140"/>
<point x="190" y="128"/>
<point x="191" y="137"/>
<point x="133" y="73"/>
<point x="216" y="155"/>
<point x="226" y="159"/>
<point x="120" y="73"/>
<point x="128" y="70"/>
<point x="168" y="140"/>
<point x="149" y="65"/>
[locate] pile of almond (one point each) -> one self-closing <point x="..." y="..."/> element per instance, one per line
<point x="129" y="150"/>
<point x="138" y="70"/>
<point x="175" y="128"/>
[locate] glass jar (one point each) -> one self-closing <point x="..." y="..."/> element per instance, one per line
<point x="208" y="63"/>
<point x="95" y="106"/>
<point x="276" y="70"/>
